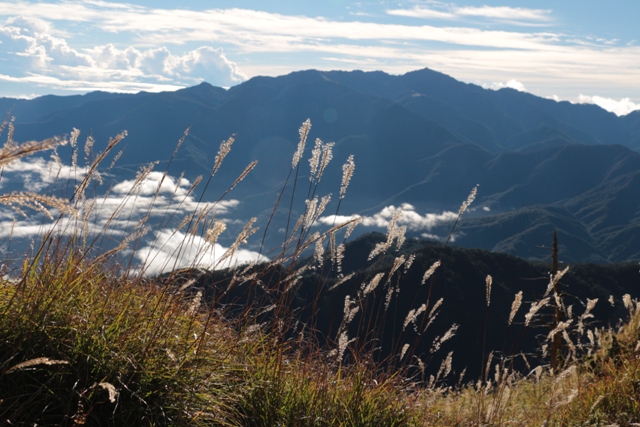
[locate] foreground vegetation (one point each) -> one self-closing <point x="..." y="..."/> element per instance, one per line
<point x="88" y="340"/>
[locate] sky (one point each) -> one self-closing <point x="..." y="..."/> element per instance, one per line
<point x="576" y="50"/>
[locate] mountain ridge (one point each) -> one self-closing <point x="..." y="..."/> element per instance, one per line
<point x="421" y="138"/>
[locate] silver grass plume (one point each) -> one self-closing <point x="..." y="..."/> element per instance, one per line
<point x="339" y="258"/>
<point x="534" y="309"/>
<point x="304" y="133"/>
<point x="433" y="313"/>
<point x="447" y="336"/>
<point x="241" y="238"/>
<point x="73" y="141"/>
<point x="413" y="315"/>
<point x="244" y="174"/>
<point x="318" y="253"/>
<point x="488" y="281"/>
<point x="470" y="199"/>
<point x="327" y="155"/>
<point x="397" y="263"/>
<point x="350" y="310"/>
<point x="314" y="161"/>
<point x="341" y="281"/>
<point x="404" y="350"/>
<point x="347" y="172"/>
<point x="212" y="234"/>
<point x="352" y="225"/>
<point x="225" y="147"/>
<point x="515" y="305"/>
<point x="409" y="262"/>
<point x="430" y="272"/>
<point x="372" y="285"/>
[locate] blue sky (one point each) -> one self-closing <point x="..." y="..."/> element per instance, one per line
<point x="581" y="51"/>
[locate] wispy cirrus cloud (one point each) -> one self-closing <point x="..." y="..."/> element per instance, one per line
<point x="504" y="12"/>
<point x="514" y="15"/>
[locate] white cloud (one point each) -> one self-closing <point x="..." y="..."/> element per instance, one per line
<point x="620" y="108"/>
<point x="504" y="12"/>
<point x="421" y="12"/>
<point x="408" y="217"/>
<point x="37" y="174"/>
<point x="154" y="182"/>
<point x="512" y="84"/>
<point x="155" y="201"/>
<point x="86" y="85"/>
<point x="173" y="249"/>
<point x="32" y="41"/>
<point x="515" y="15"/>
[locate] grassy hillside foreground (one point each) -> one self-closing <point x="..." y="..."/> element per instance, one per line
<point x="87" y="340"/>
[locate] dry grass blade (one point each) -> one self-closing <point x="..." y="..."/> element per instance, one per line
<point x="38" y="202"/>
<point x="113" y="393"/>
<point x="12" y="151"/>
<point x="36" y="362"/>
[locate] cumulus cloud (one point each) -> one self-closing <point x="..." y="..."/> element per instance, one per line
<point x="35" y="47"/>
<point x="203" y="63"/>
<point x="620" y="108"/>
<point x="408" y="217"/>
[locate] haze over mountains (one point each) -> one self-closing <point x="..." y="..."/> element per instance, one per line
<point x="421" y="141"/>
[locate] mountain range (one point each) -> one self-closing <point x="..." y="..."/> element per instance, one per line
<point x="422" y="138"/>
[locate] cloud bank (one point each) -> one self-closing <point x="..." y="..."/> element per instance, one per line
<point x="408" y="217"/>
<point x="620" y="108"/>
<point x="152" y="213"/>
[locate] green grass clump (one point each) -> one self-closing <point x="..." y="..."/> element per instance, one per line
<point x="312" y="393"/>
<point x="130" y="352"/>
